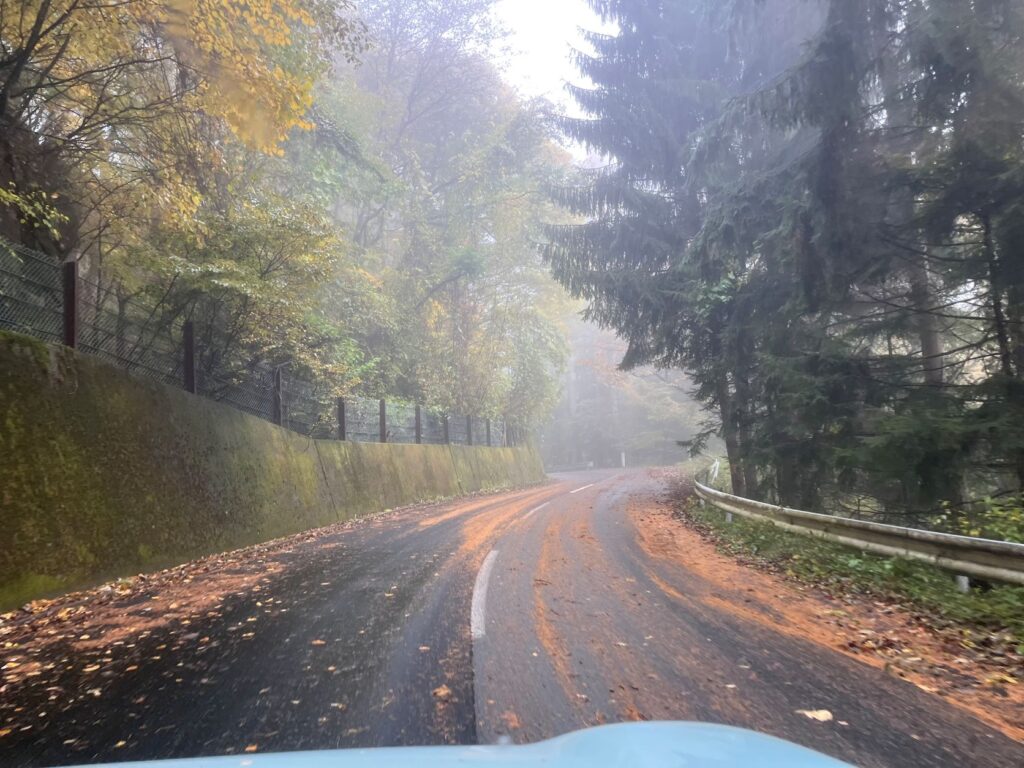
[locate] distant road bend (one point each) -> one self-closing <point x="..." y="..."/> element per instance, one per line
<point x="516" y="616"/>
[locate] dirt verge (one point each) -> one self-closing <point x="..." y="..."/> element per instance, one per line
<point x="878" y="632"/>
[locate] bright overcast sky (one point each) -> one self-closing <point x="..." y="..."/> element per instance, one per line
<point x="543" y="33"/>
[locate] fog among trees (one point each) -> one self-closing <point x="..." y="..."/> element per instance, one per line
<point x="809" y="210"/>
<point x="814" y="208"/>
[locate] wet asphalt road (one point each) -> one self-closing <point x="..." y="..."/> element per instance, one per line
<point x="364" y="638"/>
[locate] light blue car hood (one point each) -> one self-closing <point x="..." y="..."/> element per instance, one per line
<point x="626" y="745"/>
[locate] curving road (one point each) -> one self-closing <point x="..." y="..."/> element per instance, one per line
<point x="511" y="617"/>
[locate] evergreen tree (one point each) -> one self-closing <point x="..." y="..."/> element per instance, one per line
<point x="812" y="207"/>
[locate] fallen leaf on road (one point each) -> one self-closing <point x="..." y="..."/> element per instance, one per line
<point x="120" y="744"/>
<point x="424" y="648"/>
<point x="443" y="692"/>
<point x="1000" y="679"/>
<point x="318" y="642"/>
<point x="252" y="748"/>
<point x="821" y="715"/>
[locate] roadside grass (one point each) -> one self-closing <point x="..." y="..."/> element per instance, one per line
<point x="847" y="570"/>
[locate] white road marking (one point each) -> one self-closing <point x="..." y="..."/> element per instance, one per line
<point x="578" y="490"/>
<point x="478" y="611"/>
<point x="537" y="509"/>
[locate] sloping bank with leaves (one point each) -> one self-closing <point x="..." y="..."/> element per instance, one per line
<point x="989" y="616"/>
<point x="104" y="475"/>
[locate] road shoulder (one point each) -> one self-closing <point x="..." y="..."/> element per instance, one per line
<point x="879" y="633"/>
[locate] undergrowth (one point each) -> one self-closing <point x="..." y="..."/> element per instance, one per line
<point x="825" y="564"/>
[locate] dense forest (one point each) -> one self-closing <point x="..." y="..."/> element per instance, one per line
<point x="352" y="191"/>
<point x="808" y="210"/>
<point x="814" y="207"/>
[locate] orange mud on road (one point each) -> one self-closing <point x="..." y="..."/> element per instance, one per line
<point x="594" y="606"/>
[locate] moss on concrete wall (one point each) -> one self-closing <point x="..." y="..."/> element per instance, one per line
<point x="105" y="475"/>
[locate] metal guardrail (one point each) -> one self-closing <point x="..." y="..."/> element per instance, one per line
<point x="964" y="555"/>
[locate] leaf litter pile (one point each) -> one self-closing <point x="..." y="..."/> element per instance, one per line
<point x="975" y="668"/>
<point x="57" y="654"/>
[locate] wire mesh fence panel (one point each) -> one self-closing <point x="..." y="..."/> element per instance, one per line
<point x="249" y="390"/>
<point x="401" y="423"/>
<point x="140" y="335"/>
<point x="433" y="427"/>
<point x="307" y="408"/>
<point x="458" y="434"/>
<point x="498" y="432"/>
<point x="129" y="333"/>
<point x="31" y="297"/>
<point x="362" y="419"/>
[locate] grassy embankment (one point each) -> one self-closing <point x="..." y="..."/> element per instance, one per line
<point x="922" y="587"/>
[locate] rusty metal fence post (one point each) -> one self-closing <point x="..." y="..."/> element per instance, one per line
<point x="341" y="419"/>
<point x="419" y="425"/>
<point x="469" y="430"/>
<point x="277" y="412"/>
<point x="383" y="422"/>
<point x="71" y="303"/>
<point x="444" y="424"/>
<point x="189" y="363"/>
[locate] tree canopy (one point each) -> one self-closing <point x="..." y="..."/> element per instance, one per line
<point x="812" y="208"/>
<point x="351" y="191"/>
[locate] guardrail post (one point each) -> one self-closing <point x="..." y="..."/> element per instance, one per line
<point x="277" y="412"/>
<point x="341" y="419"/>
<point x="469" y="430"/>
<point x="419" y="426"/>
<point x="189" y="367"/>
<point x="444" y="425"/>
<point x="383" y="422"/>
<point x="71" y="302"/>
<point x="488" y="433"/>
<point x="963" y="584"/>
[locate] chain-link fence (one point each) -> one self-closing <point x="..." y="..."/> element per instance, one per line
<point x="125" y="332"/>
<point x="133" y="333"/>
<point x="31" y="300"/>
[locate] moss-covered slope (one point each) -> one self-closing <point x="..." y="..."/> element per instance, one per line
<point x="103" y="474"/>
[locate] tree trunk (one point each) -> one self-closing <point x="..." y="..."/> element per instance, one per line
<point x="741" y="409"/>
<point x="926" y="322"/>
<point x="1009" y="333"/>
<point x="730" y="435"/>
<point x="899" y="108"/>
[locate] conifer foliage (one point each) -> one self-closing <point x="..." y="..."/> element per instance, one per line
<point x="813" y="207"/>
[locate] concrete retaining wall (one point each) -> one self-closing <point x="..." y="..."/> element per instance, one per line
<point x="105" y="475"/>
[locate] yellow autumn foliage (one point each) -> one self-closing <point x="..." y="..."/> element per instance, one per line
<point x="242" y="49"/>
<point x="135" y="99"/>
